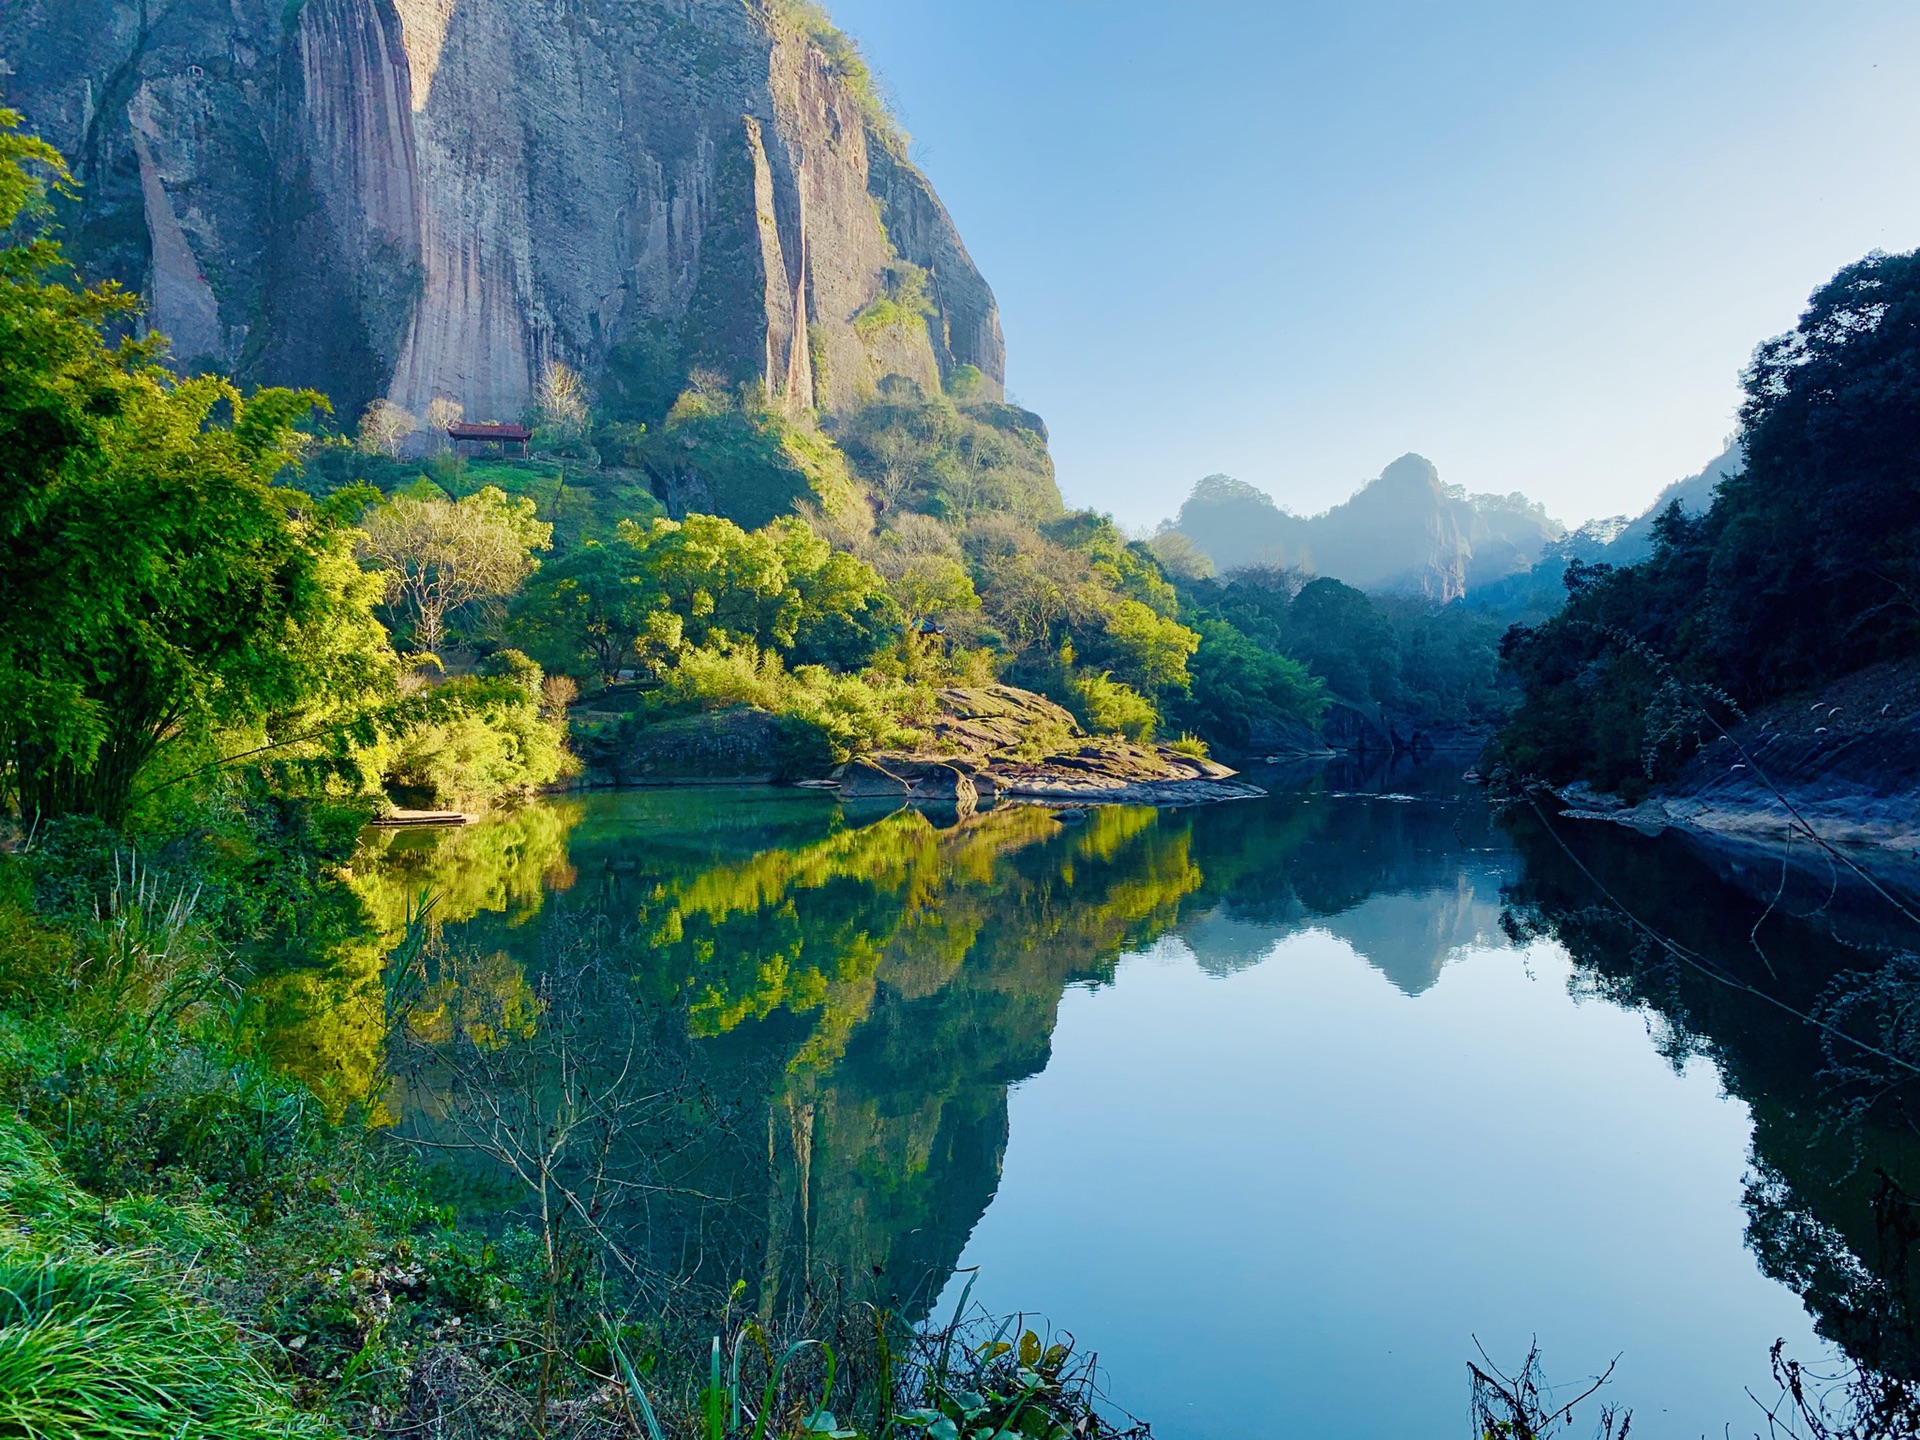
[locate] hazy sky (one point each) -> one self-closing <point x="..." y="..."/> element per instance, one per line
<point x="1535" y="242"/>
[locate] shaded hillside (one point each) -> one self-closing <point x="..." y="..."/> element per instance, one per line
<point x="1403" y="531"/>
<point x="1803" y="571"/>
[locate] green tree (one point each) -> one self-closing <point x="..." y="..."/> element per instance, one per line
<point x="1238" y="683"/>
<point x="1344" y="638"/>
<point x="1150" y="650"/>
<point x="156" y="584"/>
<point x="584" y="612"/>
<point x="846" y="612"/>
<point x="702" y="583"/>
<point x="724" y="583"/>
<point x="439" y="554"/>
<point x="1805" y="568"/>
<point x="929" y="587"/>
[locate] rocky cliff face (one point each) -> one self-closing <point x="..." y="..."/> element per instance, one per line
<point x="424" y="198"/>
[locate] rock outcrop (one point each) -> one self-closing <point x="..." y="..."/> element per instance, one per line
<point x="1840" y="768"/>
<point x="999" y="742"/>
<point x="436" y="198"/>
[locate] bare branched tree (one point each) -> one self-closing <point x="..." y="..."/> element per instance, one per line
<point x="1524" y="1407"/>
<point x="443" y="413"/>
<point x="578" y="1105"/>
<point x="383" y="426"/>
<point x="438" y="555"/>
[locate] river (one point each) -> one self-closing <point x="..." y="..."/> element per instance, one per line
<point x="1287" y="1107"/>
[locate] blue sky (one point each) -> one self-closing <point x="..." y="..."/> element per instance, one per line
<point x="1534" y="242"/>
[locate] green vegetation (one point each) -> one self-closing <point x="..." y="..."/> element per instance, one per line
<point x="848" y="66"/>
<point x="1275" y="642"/>
<point x="731" y="455"/>
<point x="903" y="305"/>
<point x="98" y="1343"/>
<point x="1805" y="568"/>
<point x="954" y="460"/>
<point x="233" y="1262"/>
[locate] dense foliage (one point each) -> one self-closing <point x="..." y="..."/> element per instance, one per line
<point x="170" y="605"/>
<point x="1281" y="643"/>
<point x="1806" y="568"/>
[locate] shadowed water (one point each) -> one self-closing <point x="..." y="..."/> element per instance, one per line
<point x="1279" y="1105"/>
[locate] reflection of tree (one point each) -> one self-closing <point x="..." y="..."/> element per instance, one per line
<point x="906" y="1133"/>
<point x="1830" y="1201"/>
<point x="867" y="991"/>
<point x="328" y="1024"/>
<point x="866" y="994"/>
<point x="506" y="863"/>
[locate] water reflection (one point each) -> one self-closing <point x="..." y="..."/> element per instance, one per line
<point x="1831" y="1198"/>
<point x="855" y="995"/>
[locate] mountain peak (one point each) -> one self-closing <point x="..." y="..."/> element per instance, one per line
<point x="1402" y="530"/>
<point x="1409" y="472"/>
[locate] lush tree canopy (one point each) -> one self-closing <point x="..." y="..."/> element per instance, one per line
<point x="157" y="582"/>
<point x="663" y="587"/>
<point x="1807" y="566"/>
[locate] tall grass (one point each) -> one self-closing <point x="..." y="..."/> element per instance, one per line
<point x="974" y="1376"/>
<point x="96" y="1345"/>
<point x="94" y="1348"/>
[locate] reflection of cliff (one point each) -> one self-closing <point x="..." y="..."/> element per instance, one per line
<point x="1834" y="1199"/>
<point x="928" y="966"/>
<point x="861" y="997"/>
<point x="913" y="1123"/>
<point x="1409" y="937"/>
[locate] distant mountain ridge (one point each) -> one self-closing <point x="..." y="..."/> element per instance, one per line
<point x="1404" y="531"/>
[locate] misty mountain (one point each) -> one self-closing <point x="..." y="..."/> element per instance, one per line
<point x="1404" y="531"/>
<point x="1618" y="540"/>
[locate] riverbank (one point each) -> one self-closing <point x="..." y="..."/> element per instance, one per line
<point x="1839" y="767"/>
<point x="203" y="1026"/>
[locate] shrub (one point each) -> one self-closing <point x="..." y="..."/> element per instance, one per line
<point x="487" y="737"/>
<point x="1111" y="707"/>
<point x="852" y="714"/>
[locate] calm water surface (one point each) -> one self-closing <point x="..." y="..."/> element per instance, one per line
<point x="1278" y="1105"/>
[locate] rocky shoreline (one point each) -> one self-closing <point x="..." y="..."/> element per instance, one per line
<point x="995" y="742"/>
<point x="982" y="744"/>
<point x="1840" y="768"/>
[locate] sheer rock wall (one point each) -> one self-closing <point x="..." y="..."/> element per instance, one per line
<point x="421" y="198"/>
